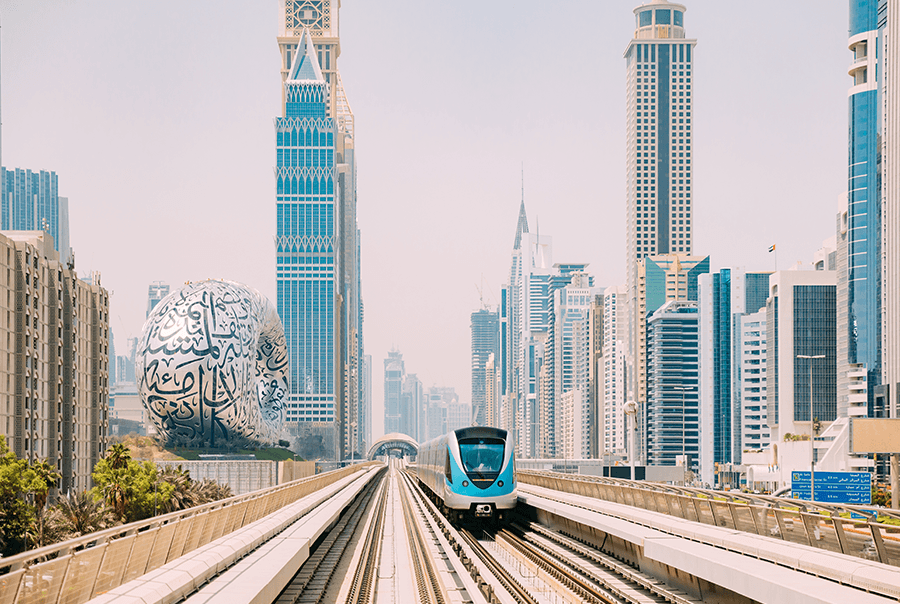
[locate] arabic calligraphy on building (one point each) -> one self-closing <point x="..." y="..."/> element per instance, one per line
<point x="212" y="367"/>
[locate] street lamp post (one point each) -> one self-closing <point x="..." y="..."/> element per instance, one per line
<point x="812" y="436"/>
<point x="683" y="389"/>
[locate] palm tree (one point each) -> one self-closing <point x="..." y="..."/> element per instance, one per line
<point x="48" y="475"/>
<point x="45" y="528"/>
<point x="207" y="491"/>
<point x="118" y="456"/>
<point x="183" y="496"/>
<point x="81" y="514"/>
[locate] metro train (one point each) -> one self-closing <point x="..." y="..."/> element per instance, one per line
<point x="471" y="472"/>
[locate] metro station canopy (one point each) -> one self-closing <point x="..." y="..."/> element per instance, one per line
<point x="394" y="440"/>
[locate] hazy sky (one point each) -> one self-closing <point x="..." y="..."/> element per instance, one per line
<point x="158" y="119"/>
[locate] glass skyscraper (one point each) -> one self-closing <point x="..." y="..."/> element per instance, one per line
<point x="485" y="328"/>
<point x="305" y="238"/>
<point x="311" y="27"/>
<point x="31" y="202"/>
<point x="725" y="296"/>
<point x="859" y="228"/>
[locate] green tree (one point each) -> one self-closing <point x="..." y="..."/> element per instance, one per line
<point x="48" y="475"/>
<point x="132" y="490"/>
<point x="18" y="481"/>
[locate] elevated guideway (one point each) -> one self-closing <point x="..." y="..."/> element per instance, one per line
<point x="368" y="533"/>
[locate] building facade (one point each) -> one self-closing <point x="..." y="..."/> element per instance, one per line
<point x="55" y="397"/>
<point x="673" y="359"/>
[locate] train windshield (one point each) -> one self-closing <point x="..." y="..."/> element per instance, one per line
<point x="481" y="455"/>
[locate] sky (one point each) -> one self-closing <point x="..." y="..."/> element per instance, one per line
<point x="158" y="119"/>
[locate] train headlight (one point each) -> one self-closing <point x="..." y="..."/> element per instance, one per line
<point x="499" y="483"/>
<point x="465" y="483"/>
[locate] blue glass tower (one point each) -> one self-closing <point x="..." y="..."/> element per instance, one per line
<point x="305" y="240"/>
<point x="31" y="202"/>
<point x="859" y="228"/>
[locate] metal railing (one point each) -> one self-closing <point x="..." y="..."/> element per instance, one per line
<point x="74" y="571"/>
<point x="816" y="524"/>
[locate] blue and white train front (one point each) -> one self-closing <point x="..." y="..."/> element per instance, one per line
<point x="471" y="470"/>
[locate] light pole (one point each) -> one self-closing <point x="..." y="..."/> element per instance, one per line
<point x="812" y="436"/>
<point x="684" y="465"/>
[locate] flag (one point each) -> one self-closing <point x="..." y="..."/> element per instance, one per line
<point x="772" y="248"/>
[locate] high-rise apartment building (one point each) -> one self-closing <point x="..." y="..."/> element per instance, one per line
<point x="31" y="202"/>
<point x="491" y="390"/>
<point x="724" y="297"/>
<point x="673" y="355"/>
<point x="569" y="416"/>
<point x="155" y="293"/>
<point x="485" y="326"/>
<point x="660" y="279"/>
<point x="319" y="245"/>
<point x="750" y="395"/>
<point x="612" y="372"/>
<point x="659" y="176"/>
<point x="54" y="401"/>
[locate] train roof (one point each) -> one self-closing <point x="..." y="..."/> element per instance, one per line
<point x="480" y="432"/>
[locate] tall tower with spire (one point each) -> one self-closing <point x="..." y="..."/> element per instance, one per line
<point x="306" y="238"/>
<point x="309" y="28"/>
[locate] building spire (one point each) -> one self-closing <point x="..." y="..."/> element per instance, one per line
<point x="522" y="226"/>
<point x="306" y="61"/>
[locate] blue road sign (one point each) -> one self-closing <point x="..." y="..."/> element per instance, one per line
<point x="834" y="487"/>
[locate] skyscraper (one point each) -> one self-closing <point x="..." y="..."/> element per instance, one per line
<point x="156" y="292"/>
<point x="659" y="177"/>
<point x="485" y="342"/>
<point x="611" y="387"/>
<point x="672" y="377"/>
<point x="310" y="28"/>
<point x="394" y="374"/>
<point x="724" y="296"/>
<point x="305" y="239"/>
<point x="859" y="277"/>
<point x="527" y="299"/>
<point x="31" y="202"/>
<point x="672" y="277"/>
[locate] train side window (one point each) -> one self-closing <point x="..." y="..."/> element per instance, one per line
<point x="447" y="468"/>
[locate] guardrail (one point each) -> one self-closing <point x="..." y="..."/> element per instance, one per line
<point x="74" y="571"/>
<point x="816" y="524"/>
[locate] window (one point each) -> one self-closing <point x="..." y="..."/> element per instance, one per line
<point x="644" y="18"/>
<point x="663" y="17"/>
